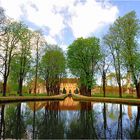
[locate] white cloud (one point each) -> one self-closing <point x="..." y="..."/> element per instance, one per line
<point x="90" y="17"/>
<point x="85" y="18"/>
<point x="50" y="39"/>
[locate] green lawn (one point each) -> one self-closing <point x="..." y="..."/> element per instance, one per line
<point x="112" y="99"/>
<point x="24" y="94"/>
<point x="124" y="95"/>
<point x="32" y="98"/>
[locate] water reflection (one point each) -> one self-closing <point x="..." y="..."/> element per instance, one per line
<point x="2" y="124"/>
<point x="69" y="119"/>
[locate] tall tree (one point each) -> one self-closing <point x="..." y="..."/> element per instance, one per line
<point x="37" y="47"/>
<point x="8" y="45"/>
<point x="82" y="56"/>
<point x="123" y="42"/>
<point x="129" y="31"/>
<point x="114" y="43"/>
<point x="53" y="68"/>
<point x="23" y="59"/>
<point x="103" y="67"/>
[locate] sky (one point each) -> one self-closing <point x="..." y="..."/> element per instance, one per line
<point x="62" y="21"/>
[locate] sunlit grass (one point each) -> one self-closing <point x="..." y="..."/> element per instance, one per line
<point x="113" y="99"/>
<point x="112" y="95"/>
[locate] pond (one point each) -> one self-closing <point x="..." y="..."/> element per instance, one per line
<point x="69" y="119"/>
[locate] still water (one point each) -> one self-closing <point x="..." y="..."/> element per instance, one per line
<point x="69" y="119"/>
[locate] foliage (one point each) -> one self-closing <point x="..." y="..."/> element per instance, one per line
<point x="64" y="91"/>
<point x="22" y="60"/>
<point x="122" y="40"/>
<point x="82" y="56"/>
<point x="8" y="49"/>
<point x="53" y="68"/>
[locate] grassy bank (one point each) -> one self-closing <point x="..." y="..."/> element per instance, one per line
<point x="31" y="98"/>
<point x="131" y="101"/>
<point x="111" y="95"/>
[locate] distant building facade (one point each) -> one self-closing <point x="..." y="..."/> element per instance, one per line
<point x="70" y="85"/>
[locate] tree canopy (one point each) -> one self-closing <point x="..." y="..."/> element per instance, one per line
<point x="82" y="56"/>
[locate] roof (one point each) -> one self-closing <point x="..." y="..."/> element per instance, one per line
<point x="69" y="80"/>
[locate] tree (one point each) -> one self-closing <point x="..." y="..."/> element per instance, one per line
<point x="114" y="43"/>
<point x="82" y="56"/>
<point x="103" y="67"/>
<point x="38" y="44"/>
<point x="64" y="91"/>
<point x="76" y="91"/>
<point x="129" y="29"/>
<point x="53" y="68"/>
<point x="23" y="59"/>
<point x="123" y="42"/>
<point x="8" y="46"/>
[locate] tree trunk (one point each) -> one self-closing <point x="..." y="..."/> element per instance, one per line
<point x="36" y="70"/>
<point x="47" y="88"/>
<point x="4" y="86"/>
<point x="35" y="84"/>
<point x="104" y="82"/>
<point x="88" y="92"/>
<point x="138" y="89"/>
<point x="20" y="86"/>
<point x="83" y="90"/>
<point x="120" y="90"/>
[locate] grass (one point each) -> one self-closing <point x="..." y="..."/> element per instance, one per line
<point x="97" y="97"/>
<point x="31" y="98"/>
<point x="110" y="95"/>
<point x="24" y="94"/>
<point x="112" y="99"/>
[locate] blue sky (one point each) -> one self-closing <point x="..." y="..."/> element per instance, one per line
<point x="62" y="21"/>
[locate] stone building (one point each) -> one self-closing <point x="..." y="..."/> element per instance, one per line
<point x="70" y="85"/>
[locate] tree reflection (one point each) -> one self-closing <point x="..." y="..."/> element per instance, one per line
<point x="51" y="124"/>
<point x="120" y="127"/>
<point x="34" y="117"/>
<point x="14" y="122"/>
<point x="105" y="120"/>
<point x="135" y="134"/>
<point x="83" y="127"/>
<point x="2" y="123"/>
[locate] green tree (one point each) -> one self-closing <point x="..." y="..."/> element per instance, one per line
<point x="114" y="43"/>
<point x="76" y="91"/>
<point x="53" y="68"/>
<point x="64" y="91"/>
<point x="21" y="61"/>
<point x="123" y="42"/>
<point x="103" y="67"/>
<point x="8" y="46"/>
<point x="38" y="43"/>
<point x="82" y="56"/>
<point x="129" y="29"/>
